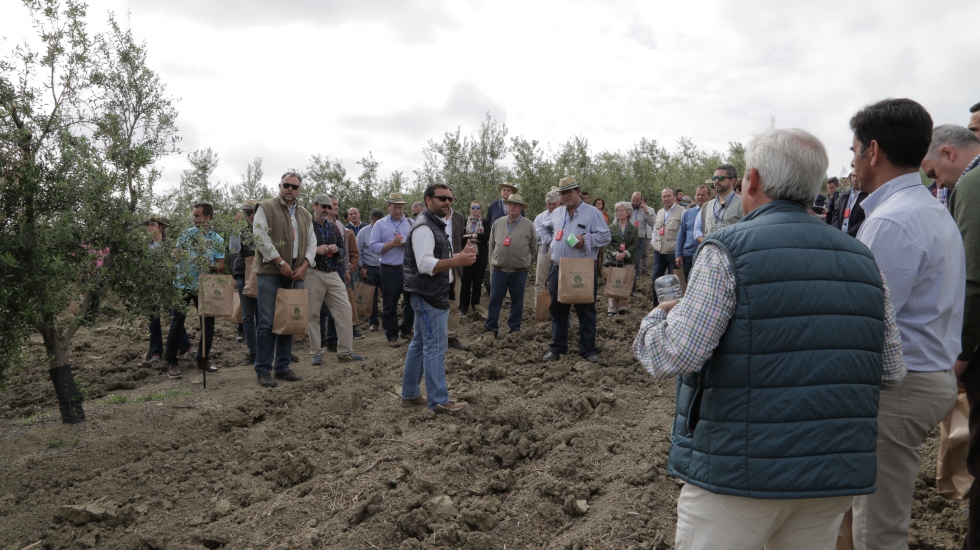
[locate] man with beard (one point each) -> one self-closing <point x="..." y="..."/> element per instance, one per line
<point x="723" y="210"/>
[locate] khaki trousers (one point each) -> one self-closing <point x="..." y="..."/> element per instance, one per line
<point x="618" y="304"/>
<point x="541" y="273"/>
<point x="453" y="324"/>
<point x="708" y="520"/>
<point x="906" y="415"/>
<point x="329" y="288"/>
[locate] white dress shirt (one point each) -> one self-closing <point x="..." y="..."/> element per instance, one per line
<point x="919" y="249"/>
<point x="423" y="244"/>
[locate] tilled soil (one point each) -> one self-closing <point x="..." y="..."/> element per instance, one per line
<point x="549" y="455"/>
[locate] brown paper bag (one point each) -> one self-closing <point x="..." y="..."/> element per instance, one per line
<point x="236" y="312"/>
<point x="353" y="307"/>
<point x="680" y="276"/>
<point x="952" y="480"/>
<point x="292" y="311"/>
<point x="619" y="282"/>
<point x="541" y="305"/>
<point x="363" y="297"/>
<point x="251" y="288"/>
<point x="576" y="281"/>
<point x="215" y="295"/>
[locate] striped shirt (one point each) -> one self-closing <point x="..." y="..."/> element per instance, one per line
<point x="681" y="341"/>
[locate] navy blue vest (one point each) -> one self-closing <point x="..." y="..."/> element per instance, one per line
<point x="787" y="405"/>
<point x="434" y="289"/>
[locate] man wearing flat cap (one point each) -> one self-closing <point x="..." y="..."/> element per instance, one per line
<point x="388" y="240"/>
<point x="497" y="208"/>
<point x="585" y="222"/>
<point x="513" y="243"/>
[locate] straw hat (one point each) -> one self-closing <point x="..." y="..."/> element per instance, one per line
<point x="516" y="199"/>
<point x="567" y="184"/>
<point x="161" y="220"/>
<point x="507" y="184"/>
<point x="396" y="198"/>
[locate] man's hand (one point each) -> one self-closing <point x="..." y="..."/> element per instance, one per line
<point x="668" y="305"/>
<point x="679" y="262"/>
<point x="322" y="249"/>
<point x="581" y="241"/>
<point x="300" y="272"/>
<point x="364" y="273"/>
<point x="959" y="367"/>
<point x="346" y="278"/>
<point x="619" y="257"/>
<point x="285" y="270"/>
<point x="467" y="256"/>
<point x="397" y="241"/>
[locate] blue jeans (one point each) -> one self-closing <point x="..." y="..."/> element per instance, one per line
<point x="392" y="287"/>
<point x="500" y="284"/>
<point x="661" y="263"/>
<point x="560" y="320"/>
<point x="271" y="346"/>
<point x="374" y="279"/>
<point x="248" y="315"/>
<point x="427" y="354"/>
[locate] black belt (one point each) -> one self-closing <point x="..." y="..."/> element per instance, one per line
<point x="392" y="266"/>
<point x="325" y="270"/>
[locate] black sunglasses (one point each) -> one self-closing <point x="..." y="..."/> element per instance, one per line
<point x="289" y="186"/>
<point x="444" y="198"/>
<point x="327" y="206"/>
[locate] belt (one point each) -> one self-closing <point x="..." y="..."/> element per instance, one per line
<point x="392" y="266"/>
<point x="511" y="270"/>
<point x="327" y="270"/>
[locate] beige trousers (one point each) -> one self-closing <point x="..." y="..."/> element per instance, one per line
<point x="906" y="415"/>
<point x="453" y="324"/>
<point x="541" y="273"/>
<point x="329" y="287"/>
<point x="724" y="522"/>
<point x="618" y="304"/>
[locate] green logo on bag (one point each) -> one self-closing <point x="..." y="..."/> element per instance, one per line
<point x="618" y="283"/>
<point x="217" y="294"/>
<point x="359" y="299"/>
<point x="297" y="313"/>
<point x="578" y="281"/>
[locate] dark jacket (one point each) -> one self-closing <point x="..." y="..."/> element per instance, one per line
<point x="238" y="269"/>
<point x="856" y="217"/>
<point x="329" y="233"/>
<point x="832" y="201"/>
<point x="631" y="238"/>
<point x="434" y="289"/>
<point x="773" y="413"/>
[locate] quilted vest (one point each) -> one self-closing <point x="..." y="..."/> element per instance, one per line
<point x="434" y="289"/>
<point x="787" y="405"/>
<point x="281" y="234"/>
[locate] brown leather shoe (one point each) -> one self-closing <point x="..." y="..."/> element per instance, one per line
<point x="288" y="376"/>
<point x="394" y="344"/>
<point x="420" y="400"/>
<point x="453" y="407"/>
<point x="206" y="366"/>
<point x="173" y="371"/>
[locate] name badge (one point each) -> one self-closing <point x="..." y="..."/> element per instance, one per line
<point x="558" y="235"/>
<point x="507" y="240"/>
<point x="661" y="230"/>
<point x="622" y="247"/>
<point x="847" y="212"/>
<point x="636" y="223"/>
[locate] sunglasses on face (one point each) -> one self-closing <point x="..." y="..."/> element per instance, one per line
<point x="719" y="178"/>
<point x="474" y="208"/>
<point x="325" y="206"/>
<point x="444" y="198"/>
<point x="289" y="186"/>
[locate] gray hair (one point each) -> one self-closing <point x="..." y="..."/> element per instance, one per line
<point x="414" y="204"/>
<point x="552" y="196"/>
<point x="292" y="173"/>
<point x="791" y="164"/>
<point x="671" y="189"/>
<point x="951" y="135"/>
<point x="627" y="205"/>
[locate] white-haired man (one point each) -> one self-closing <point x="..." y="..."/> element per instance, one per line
<point x="773" y="435"/>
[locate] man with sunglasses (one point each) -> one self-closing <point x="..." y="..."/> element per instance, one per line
<point x="286" y="246"/>
<point x="388" y="241"/>
<point x="723" y="210"/>
<point x="428" y="276"/>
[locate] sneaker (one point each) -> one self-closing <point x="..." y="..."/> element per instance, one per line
<point x="266" y="381"/>
<point x="358" y="335"/>
<point x="155" y="358"/>
<point x="173" y="371"/>
<point x="206" y="366"/>
<point x="507" y="305"/>
<point x="453" y="407"/>
<point x="373" y="328"/>
<point x="594" y="358"/>
<point x="240" y="338"/>
<point x="394" y="344"/>
<point x="317" y="360"/>
<point x="331" y="347"/>
<point x="464" y="310"/>
<point x="288" y="376"/>
<point x="418" y="401"/>
<point x="551" y="356"/>
<point x="191" y="349"/>
<point x="250" y="359"/>
<point x="408" y="335"/>
<point x="349" y="357"/>
<point x="611" y="314"/>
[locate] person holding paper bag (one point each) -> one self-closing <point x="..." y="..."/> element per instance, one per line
<point x="573" y="230"/>
<point x="621" y="251"/>
<point x="195" y="242"/>
<point x="238" y="272"/>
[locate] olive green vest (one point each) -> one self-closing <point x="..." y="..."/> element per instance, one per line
<point x="281" y="233"/>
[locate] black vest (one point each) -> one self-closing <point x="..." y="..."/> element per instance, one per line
<point x="328" y="229"/>
<point x="238" y="269"/>
<point x="434" y="289"/>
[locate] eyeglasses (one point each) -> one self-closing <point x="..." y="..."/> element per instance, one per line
<point x="326" y="206"/>
<point x="289" y="186"/>
<point x="444" y="198"/>
<point x="474" y="208"/>
<point x="248" y="212"/>
<point x="720" y="178"/>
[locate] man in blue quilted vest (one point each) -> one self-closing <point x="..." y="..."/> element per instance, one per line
<point x="773" y="433"/>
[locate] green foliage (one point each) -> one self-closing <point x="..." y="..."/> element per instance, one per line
<point x="159" y="396"/>
<point x="56" y="444"/>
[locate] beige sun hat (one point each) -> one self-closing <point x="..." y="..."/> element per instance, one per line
<point x="507" y="184"/>
<point x="567" y="184"/>
<point x="396" y="198"/>
<point x="516" y="199"/>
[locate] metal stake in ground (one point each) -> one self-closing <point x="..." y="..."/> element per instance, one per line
<point x="204" y="352"/>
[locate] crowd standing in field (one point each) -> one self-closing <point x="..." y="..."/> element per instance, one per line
<point x="820" y="340"/>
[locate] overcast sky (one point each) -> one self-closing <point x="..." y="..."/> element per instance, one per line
<point x="288" y="79"/>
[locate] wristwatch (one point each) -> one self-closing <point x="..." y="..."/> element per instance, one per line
<point x="280" y="264"/>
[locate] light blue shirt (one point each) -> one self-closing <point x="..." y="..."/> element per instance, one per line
<point x="920" y="251"/>
<point x="586" y="220"/>
<point x="383" y="232"/>
<point x="195" y="243"/>
<point x="686" y="243"/>
<point x="367" y="257"/>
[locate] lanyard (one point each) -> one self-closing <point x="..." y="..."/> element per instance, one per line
<point x="622" y="232"/>
<point x="511" y="227"/>
<point x="723" y="210"/>
<point x="398" y="225"/>
<point x="671" y="211"/>
<point x="326" y="236"/>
